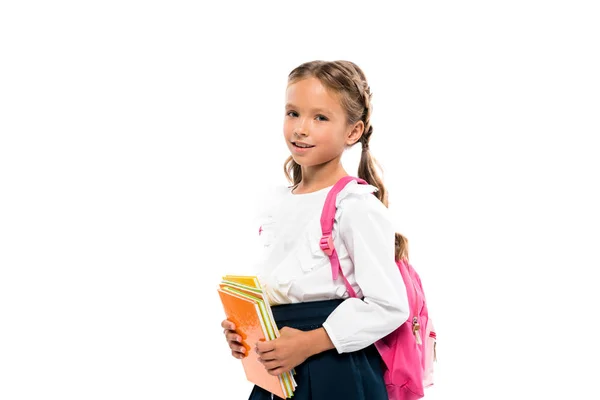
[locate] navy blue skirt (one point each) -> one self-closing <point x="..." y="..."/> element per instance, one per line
<point x="328" y="375"/>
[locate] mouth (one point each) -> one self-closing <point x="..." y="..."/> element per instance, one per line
<point x="302" y="145"/>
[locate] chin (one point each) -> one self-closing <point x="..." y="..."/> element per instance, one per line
<point x="308" y="163"/>
<point x="301" y="162"/>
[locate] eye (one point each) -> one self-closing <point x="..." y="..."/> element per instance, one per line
<point x="292" y="114"/>
<point x="321" y="117"/>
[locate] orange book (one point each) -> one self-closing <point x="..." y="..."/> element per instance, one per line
<point x="246" y="308"/>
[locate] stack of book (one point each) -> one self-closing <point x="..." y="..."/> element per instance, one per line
<point x="247" y="307"/>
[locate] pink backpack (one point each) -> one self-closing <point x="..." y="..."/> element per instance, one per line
<point x="408" y="352"/>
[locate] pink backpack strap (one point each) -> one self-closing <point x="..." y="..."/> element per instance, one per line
<point x="327" y="220"/>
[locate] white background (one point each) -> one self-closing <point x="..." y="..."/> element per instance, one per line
<point x="134" y="134"/>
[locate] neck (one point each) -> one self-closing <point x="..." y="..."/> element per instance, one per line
<point x="321" y="176"/>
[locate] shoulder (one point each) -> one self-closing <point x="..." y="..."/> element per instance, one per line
<point x="358" y="205"/>
<point x="358" y="199"/>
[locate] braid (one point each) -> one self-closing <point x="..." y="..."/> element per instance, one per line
<point x="367" y="166"/>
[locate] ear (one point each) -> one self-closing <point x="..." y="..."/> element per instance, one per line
<point x="354" y="133"/>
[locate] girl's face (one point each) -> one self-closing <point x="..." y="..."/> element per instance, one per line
<point x="315" y="127"/>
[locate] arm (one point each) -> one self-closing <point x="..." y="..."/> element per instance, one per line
<point x="366" y="230"/>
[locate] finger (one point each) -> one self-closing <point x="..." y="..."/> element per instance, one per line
<point x="271" y="365"/>
<point x="237" y="347"/>
<point x="232" y="334"/>
<point x="233" y="337"/>
<point x="277" y="371"/>
<point x="266" y="357"/>
<point x="227" y="324"/>
<point x="263" y="347"/>
<point x="237" y="354"/>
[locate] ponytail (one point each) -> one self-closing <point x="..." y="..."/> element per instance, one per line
<point x="367" y="171"/>
<point x="293" y="171"/>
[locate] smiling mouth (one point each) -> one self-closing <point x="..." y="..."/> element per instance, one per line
<point x="302" y="145"/>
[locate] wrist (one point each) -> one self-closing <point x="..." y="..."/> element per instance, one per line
<point x="318" y="341"/>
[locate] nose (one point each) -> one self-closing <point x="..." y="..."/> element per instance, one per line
<point x="301" y="128"/>
<point x="299" y="133"/>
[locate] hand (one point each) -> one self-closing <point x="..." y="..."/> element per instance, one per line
<point x="289" y="350"/>
<point x="233" y="339"/>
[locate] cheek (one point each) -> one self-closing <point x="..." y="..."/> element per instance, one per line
<point x="287" y="129"/>
<point x="333" y="137"/>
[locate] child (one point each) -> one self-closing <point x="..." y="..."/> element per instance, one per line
<point x="325" y="335"/>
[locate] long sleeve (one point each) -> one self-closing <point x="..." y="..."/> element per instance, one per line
<point x="367" y="231"/>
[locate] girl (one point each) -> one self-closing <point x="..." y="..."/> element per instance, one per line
<point x="325" y="335"/>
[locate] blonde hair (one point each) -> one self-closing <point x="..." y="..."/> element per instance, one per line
<point x="349" y="82"/>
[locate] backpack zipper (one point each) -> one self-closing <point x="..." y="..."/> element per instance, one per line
<point x="415" y="328"/>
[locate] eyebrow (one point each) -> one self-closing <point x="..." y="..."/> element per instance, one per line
<point x="323" y="110"/>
